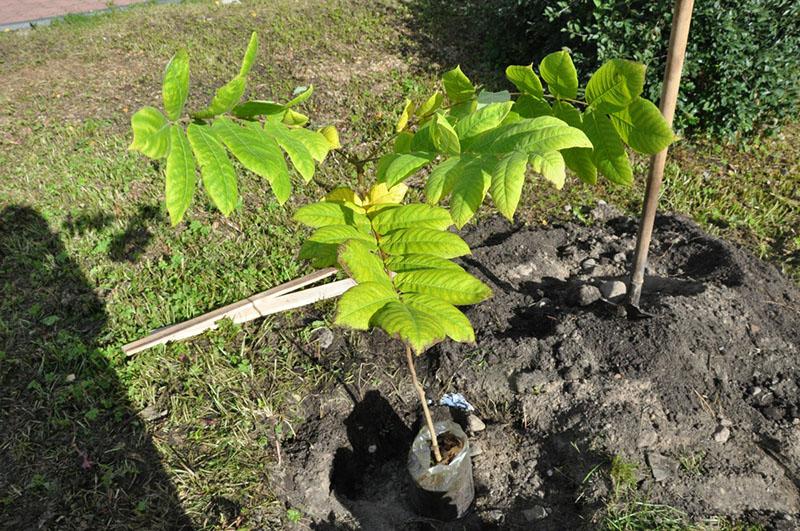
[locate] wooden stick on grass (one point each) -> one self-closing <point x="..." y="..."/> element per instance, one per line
<point x="426" y="412"/>
<point x="278" y="299"/>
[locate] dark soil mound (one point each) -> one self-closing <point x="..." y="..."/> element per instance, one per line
<point x="702" y="397"/>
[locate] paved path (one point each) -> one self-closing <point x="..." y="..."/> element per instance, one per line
<point x="19" y="12"/>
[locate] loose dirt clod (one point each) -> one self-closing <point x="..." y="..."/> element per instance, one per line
<point x="564" y="389"/>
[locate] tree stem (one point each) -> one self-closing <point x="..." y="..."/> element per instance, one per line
<point x="421" y="392"/>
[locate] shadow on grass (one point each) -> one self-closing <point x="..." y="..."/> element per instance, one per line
<point x="73" y="453"/>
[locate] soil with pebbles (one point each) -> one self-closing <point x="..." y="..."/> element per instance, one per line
<point x="702" y="395"/>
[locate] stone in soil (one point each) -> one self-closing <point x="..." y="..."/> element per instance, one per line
<point x="544" y="435"/>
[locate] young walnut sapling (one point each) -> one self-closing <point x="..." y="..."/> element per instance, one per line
<point x="473" y="144"/>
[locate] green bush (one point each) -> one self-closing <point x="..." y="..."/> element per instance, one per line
<point x="743" y="58"/>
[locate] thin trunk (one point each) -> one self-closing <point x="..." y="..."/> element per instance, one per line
<point x="421" y="392"/>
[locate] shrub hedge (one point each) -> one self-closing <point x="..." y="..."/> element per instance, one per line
<point x="742" y="69"/>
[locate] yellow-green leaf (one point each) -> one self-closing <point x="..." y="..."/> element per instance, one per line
<point x="413" y="215"/>
<point x="525" y="79"/>
<point x="454" y="323"/>
<point x="508" y="176"/>
<point x="257" y="152"/>
<point x="416" y="328"/>
<point x="180" y="175"/>
<point x="559" y="72"/>
<point x="551" y="166"/>
<point x="328" y="213"/>
<point x="424" y="241"/>
<point x="175" y="87"/>
<point x="219" y="177"/>
<point x="402" y="122"/>
<point x="457" y="86"/>
<point x="249" y="55"/>
<point x="642" y="127"/>
<point x="609" y="153"/>
<point x="445" y="138"/>
<point x="361" y="264"/>
<point x="359" y="304"/>
<point x="454" y="287"/>
<point x="150" y="133"/>
<point x="615" y="85"/>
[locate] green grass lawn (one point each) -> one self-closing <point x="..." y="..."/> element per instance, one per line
<point x="89" y="262"/>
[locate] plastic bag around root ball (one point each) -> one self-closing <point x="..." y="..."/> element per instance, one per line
<point x="442" y="491"/>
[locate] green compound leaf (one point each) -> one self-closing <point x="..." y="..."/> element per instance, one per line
<point x="409" y="216"/>
<point x="430" y="106"/>
<point x="537" y="135"/>
<point x="531" y="107"/>
<point x="325" y="213"/>
<point x="358" y="305"/>
<point x="454" y="323"/>
<point x="508" y="176"/>
<point x="294" y="118"/>
<point x="559" y="72"/>
<point x="642" y="127"/>
<point x="253" y="108"/>
<point x="175" y="87"/>
<point x="457" y="86"/>
<point x="257" y="152"/>
<point x="609" y="153"/>
<point x="552" y="167"/>
<point x="615" y="85"/>
<point x="442" y="178"/>
<point x="180" y="175"/>
<point x="305" y="93"/>
<point x="445" y="138"/>
<point x="150" y="133"/>
<point x="579" y="160"/>
<point x="424" y="241"/>
<point x="249" y="55"/>
<point x="469" y="190"/>
<point x="394" y="168"/>
<point x="361" y="264"/>
<point x="301" y="157"/>
<point x="315" y="142"/>
<point x="219" y="177"/>
<point x="322" y="246"/>
<point x="412" y="326"/>
<point x="416" y="262"/>
<point x="332" y="136"/>
<point x="486" y="118"/>
<point x="525" y="79"/>
<point x="402" y="122"/>
<point x="454" y="287"/>
<point x="226" y="97"/>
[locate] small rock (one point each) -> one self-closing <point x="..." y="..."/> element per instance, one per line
<point x="774" y="413"/>
<point x="151" y="413"/>
<point x="722" y="434"/>
<point x="474" y="449"/>
<point x="725" y="422"/>
<point x="661" y="466"/>
<point x="613" y="290"/>
<point x="372" y="448"/>
<point x="583" y="295"/>
<point x="474" y="424"/>
<point x="70" y="378"/>
<point x="537" y="512"/>
<point x="572" y="374"/>
<point x="588" y="264"/>
<point x="755" y="391"/>
<point x="647" y="439"/>
<point x="323" y="336"/>
<point x="619" y="258"/>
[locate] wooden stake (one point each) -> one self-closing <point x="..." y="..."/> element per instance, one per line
<point x="277" y="299"/>
<point x="425" y="411"/>
<point x="681" y="19"/>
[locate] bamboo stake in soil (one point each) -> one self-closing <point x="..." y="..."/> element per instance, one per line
<point x="681" y="19"/>
<point x="421" y="392"/>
